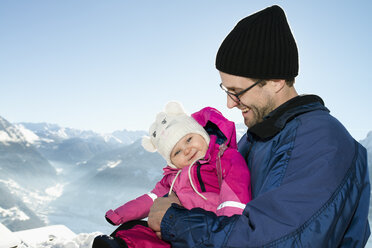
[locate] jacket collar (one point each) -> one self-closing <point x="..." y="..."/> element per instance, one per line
<point x="274" y="122"/>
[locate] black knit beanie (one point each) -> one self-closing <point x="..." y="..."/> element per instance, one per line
<point x="260" y="46"/>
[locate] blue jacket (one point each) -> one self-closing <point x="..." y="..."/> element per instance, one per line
<point x="310" y="187"/>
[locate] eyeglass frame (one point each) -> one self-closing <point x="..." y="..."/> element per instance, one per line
<point x="232" y="95"/>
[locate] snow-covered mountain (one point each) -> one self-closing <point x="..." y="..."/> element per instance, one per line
<point x="70" y="145"/>
<point x="24" y="176"/>
<point x="86" y="170"/>
<point x="19" y="160"/>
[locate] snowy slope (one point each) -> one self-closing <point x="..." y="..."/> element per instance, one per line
<point x="7" y="238"/>
<point x="49" y="236"/>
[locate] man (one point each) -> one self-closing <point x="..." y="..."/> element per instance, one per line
<point x="310" y="184"/>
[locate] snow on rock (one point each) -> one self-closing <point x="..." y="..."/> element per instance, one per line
<point x="28" y="135"/>
<point x="4" y="137"/>
<point x="33" y="198"/>
<point x="110" y="164"/>
<point x="367" y="142"/>
<point x="15" y="134"/>
<point x="55" y="191"/>
<point x="13" y="213"/>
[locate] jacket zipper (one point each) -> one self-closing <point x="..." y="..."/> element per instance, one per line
<point x="201" y="183"/>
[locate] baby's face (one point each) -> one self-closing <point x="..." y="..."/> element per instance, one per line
<point x="191" y="147"/>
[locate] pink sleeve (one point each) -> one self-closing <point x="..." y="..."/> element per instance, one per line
<point x="236" y="184"/>
<point x="163" y="186"/>
<point x="138" y="208"/>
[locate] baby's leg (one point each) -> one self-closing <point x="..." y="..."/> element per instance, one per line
<point x="105" y="241"/>
<point x="129" y="225"/>
<point x="141" y="236"/>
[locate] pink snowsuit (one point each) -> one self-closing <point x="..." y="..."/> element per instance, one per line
<point x="219" y="183"/>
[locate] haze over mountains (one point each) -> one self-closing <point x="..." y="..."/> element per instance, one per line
<point x="50" y="174"/>
<point x="55" y="175"/>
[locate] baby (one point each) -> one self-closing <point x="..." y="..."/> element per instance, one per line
<point x="204" y="169"/>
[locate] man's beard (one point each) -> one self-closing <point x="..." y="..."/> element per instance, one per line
<point x="259" y="113"/>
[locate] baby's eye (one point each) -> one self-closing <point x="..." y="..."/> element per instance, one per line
<point x="176" y="153"/>
<point x="189" y="139"/>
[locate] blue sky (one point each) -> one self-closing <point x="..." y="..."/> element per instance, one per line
<point x="112" y="65"/>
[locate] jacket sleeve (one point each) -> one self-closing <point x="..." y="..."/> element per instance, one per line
<point x="311" y="203"/>
<point x="235" y="190"/>
<point x="138" y="208"/>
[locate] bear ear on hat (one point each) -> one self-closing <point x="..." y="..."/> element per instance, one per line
<point x="159" y="117"/>
<point x="174" y="108"/>
<point x="147" y="144"/>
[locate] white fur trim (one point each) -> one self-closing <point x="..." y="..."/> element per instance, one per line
<point x="152" y="196"/>
<point x="231" y="204"/>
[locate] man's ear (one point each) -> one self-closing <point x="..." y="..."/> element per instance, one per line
<point x="278" y="84"/>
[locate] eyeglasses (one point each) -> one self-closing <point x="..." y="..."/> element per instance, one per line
<point x="235" y="96"/>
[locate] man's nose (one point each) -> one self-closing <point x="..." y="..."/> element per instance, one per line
<point x="230" y="102"/>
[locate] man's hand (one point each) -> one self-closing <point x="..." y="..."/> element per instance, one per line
<point x="158" y="209"/>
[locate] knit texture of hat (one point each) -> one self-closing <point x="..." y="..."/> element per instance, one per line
<point x="260" y="46"/>
<point x="169" y="127"/>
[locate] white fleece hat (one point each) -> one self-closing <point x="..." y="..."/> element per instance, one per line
<point x="169" y="127"/>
